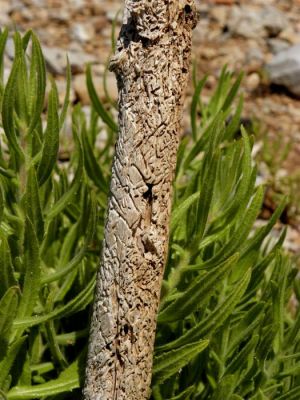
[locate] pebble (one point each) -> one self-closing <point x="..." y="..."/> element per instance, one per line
<point x="284" y="69"/>
<point x="252" y="81"/>
<point x="56" y="60"/>
<point x="248" y="22"/>
<point x="83" y="33"/>
<point x="277" y="45"/>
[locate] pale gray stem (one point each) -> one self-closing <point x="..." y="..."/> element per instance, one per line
<point x="151" y="65"/>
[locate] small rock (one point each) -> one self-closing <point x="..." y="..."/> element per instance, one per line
<point x="63" y="16"/>
<point x="277" y="45"/>
<point x="252" y="81"/>
<point x="284" y="69"/>
<point x="290" y="36"/>
<point x="83" y="33"/>
<point x="56" y="60"/>
<point x="219" y="14"/>
<point x="247" y="22"/>
<point x="253" y="60"/>
<point x="273" y="20"/>
<point x="254" y="55"/>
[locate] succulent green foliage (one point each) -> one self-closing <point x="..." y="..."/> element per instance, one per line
<point x="224" y="328"/>
<point x="226" y="281"/>
<point x="51" y="227"/>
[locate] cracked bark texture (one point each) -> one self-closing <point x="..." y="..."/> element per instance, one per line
<point x="151" y="65"/>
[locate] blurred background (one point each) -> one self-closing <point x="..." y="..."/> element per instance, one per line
<point x="259" y="37"/>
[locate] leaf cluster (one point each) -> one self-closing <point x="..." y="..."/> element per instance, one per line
<point x="52" y="208"/>
<point x="226" y="328"/>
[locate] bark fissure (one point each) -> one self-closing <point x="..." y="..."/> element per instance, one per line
<point x="151" y="65"/>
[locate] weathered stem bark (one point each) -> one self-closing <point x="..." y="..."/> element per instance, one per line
<point x="151" y="66"/>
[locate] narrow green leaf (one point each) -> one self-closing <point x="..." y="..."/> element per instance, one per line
<point x="37" y="84"/>
<point x="200" y="290"/>
<point x="21" y="104"/>
<point x="8" y="310"/>
<point x="225" y="388"/>
<point x="265" y="230"/>
<point x="181" y="210"/>
<point x="167" y="364"/>
<point x="66" y="103"/>
<point x="7" y="363"/>
<point x="7" y="277"/>
<point x="32" y="269"/>
<point x="3" y="39"/>
<point x="233" y="92"/>
<point x="238" y="362"/>
<point x="194" y="105"/>
<point x="64" y="201"/>
<point x="240" y="234"/>
<point x="51" y="138"/>
<point x="206" y="195"/>
<point x="76" y="304"/>
<point x="8" y="109"/>
<point x="246" y="326"/>
<point x="103" y="114"/>
<point x="68" y="380"/>
<point x="214" y="320"/>
<point x="33" y="204"/>
<point x="293" y="394"/>
<point x="92" y="166"/>
<point x="185" y="395"/>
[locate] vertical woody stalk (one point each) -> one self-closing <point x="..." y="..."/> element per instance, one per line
<point x="151" y="65"/>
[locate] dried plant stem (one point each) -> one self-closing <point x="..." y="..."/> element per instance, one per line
<point x="151" y="65"/>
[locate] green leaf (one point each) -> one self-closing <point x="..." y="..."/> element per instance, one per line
<point x="3" y="39"/>
<point x="21" y="105"/>
<point x="214" y="320"/>
<point x="292" y="394"/>
<point x="206" y="195"/>
<point x="240" y="234"/>
<point x="92" y="166"/>
<point x="68" y="380"/>
<point x="32" y="269"/>
<point x="7" y="363"/>
<point x="194" y="106"/>
<point x="209" y="133"/>
<point x="8" y="310"/>
<point x="199" y="291"/>
<point x="225" y="388"/>
<point x="64" y="201"/>
<point x="246" y="326"/>
<point x="37" y="84"/>
<point x="76" y="304"/>
<point x="167" y="364"/>
<point x="33" y="204"/>
<point x="233" y="92"/>
<point x="8" y="110"/>
<point x="75" y="261"/>
<point x="66" y="103"/>
<point x="51" y="138"/>
<point x="7" y="278"/>
<point x="185" y="395"/>
<point x="103" y="114"/>
<point x="238" y="362"/>
<point x="181" y="210"/>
